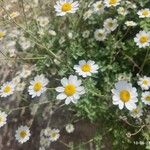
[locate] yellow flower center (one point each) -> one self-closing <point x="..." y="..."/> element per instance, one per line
<point x="7" y="89"/>
<point x="112" y="2"/>
<point x="145" y="82"/>
<point x="37" y="86"/>
<point x="1" y="119"/>
<point x="70" y="89"/>
<point x="125" y="96"/>
<point x="148" y="98"/>
<point x="66" y="7"/>
<point x="136" y="110"/>
<point x="86" y="68"/>
<point x="23" y="134"/>
<point x="145" y="13"/>
<point x="53" y="135"/>
<point x="110" y="24"/>
<point x="2" y="34"/>
<point x="144" y="39"/>
<point x="99" y="6"/>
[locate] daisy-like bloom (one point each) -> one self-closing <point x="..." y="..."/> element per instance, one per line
<point x="99" y="7"/>
<point x="122" y="11"/>
<point x="2" y="34"/>
<point x="144" y="13"/>
<point x="3" y="118"/>
<point x="22" y="134"/>
<point x="69" y="128"/>
<point x="124" y="95"/>
<point x="71" y="90"/>
<point x="63" y="7"/>
<point x="110" y="24"/>
<point x="130" y="23"/>
<point x="38" y="86"/>
<point x="142" y="39"/>
<point x="54" y="135"/>
<point x="7" y="89"/>
<point x="144" y="82"/>
<point x="109" y="3"/>
<point x="137" y="112"/>
<point x="146" y="97"/>
<point x="86" y="68"/>
<point x="100" y="34"/>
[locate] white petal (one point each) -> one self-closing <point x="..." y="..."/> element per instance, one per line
<point x="60" y="89"/>
<point x="61" y="96"/>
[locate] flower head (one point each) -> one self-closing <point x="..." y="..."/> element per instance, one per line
<point x="109" y="3"/>
<point x="22" y="134"/>
<point x="3" y="118"/>
<point x="142" y="39"/>
<point x="144" y="82"/>
<point x="98" y="7"/>
<point x="110" y="24"/>
<point x="52" y="134"/>
<point x="144" y="13"/>
<point x="63" y="7"/>
<point x="146" y="98"/>
<point x="69" y="128"/>
<point x="137" y="112"/>
<point x="7" y="89"/>
<point x="71" y="89"/>
<point x="38" y="86"/>
<point x="124" y="95"/>
<point x="100" y="34"/>
<point x="130" y="23"/>
<point x="86" y="68"/>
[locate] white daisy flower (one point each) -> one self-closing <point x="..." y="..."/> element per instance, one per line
<point x="99" y="7"/>
<point x="100" y="34"/>
<point x="130" y="23"/>
<point x="38" y="86"/>
<point x="3" y="118"/>
<point x="86" y="69"/>
<point x="146" y="97"/>
<point x="124" y="95"/>
<point x="7" y="89"/>
<point x="144" y="13"/>
<point x="144" y="82"/>
<point x="69" y="128"/>
<point x="2" y="34"/>
<point x="71" y="90"/>
<point x="122" y="11"/>
<point x="63" y="7"/>
<point x="110" y="24"/>
<point x="54" y="135"/>
<point x="142" y="39"/>
<point x="22" y="134"/>
<point x="137" y="112"/>
<point x="109" y="3"/>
